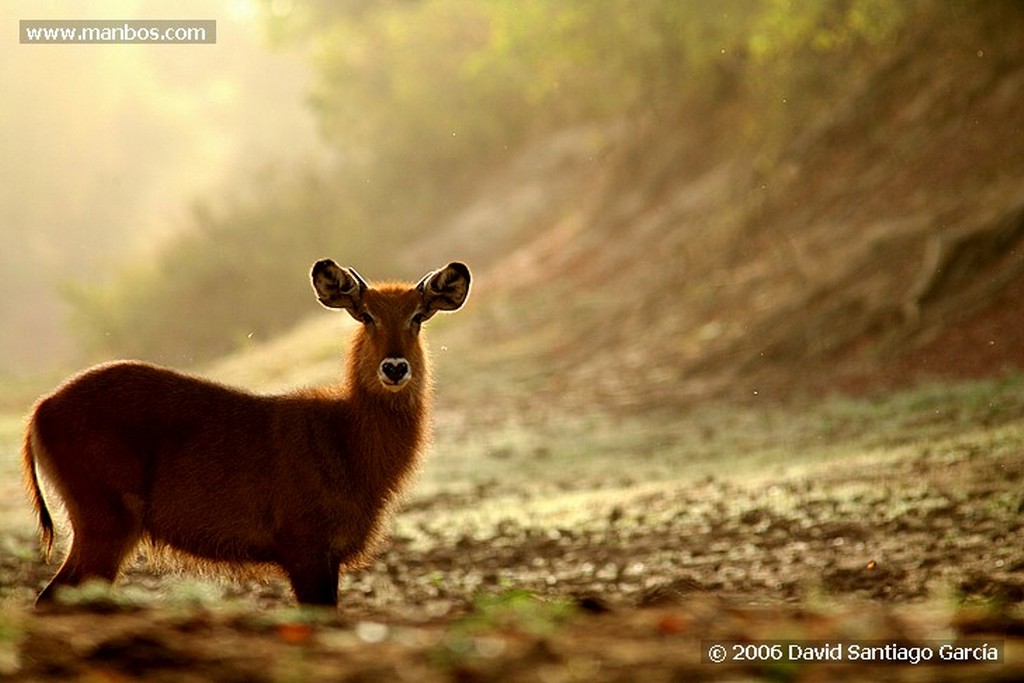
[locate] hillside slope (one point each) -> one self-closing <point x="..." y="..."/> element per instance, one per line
<point x="881" y="242"/>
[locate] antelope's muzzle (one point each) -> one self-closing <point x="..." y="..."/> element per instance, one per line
<point x="394" y="373"/>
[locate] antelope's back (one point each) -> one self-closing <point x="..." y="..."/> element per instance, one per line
<point x="121" y="423"/>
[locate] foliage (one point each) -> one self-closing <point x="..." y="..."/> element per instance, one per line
<point x="417" y="87"/>
<point x="791" y="28"/>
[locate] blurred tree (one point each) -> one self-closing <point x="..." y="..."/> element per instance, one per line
<point x="238" y="273"/>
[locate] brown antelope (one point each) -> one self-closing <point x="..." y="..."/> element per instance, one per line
<point x="304" y="481"/>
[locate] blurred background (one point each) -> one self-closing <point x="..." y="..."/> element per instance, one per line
<point x="662" y="200"/>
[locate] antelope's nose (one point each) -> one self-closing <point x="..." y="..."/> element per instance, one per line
<point x="394" y="370"/>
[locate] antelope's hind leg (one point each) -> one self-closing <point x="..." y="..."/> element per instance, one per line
<point x="99" y="546"/>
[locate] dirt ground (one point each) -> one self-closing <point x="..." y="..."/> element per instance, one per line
<point x="891" y="521"/>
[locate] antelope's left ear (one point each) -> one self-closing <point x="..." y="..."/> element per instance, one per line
<point x="446" y="289"/>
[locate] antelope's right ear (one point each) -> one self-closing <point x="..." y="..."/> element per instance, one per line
<point x="337" y="287"/>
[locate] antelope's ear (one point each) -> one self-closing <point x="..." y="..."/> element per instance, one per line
<point x="446" y="289"/>
<point x="338" y="287"/>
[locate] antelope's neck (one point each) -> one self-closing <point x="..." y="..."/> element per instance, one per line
<point x="393" y="429"/>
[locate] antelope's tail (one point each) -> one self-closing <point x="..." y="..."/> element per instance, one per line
<point x="28" y="462"/>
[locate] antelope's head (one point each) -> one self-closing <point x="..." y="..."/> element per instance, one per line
<point x="386" y="353"/>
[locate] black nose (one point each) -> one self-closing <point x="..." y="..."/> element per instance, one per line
<point x="395" y="369"/>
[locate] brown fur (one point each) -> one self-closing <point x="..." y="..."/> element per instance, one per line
<point x="302" y="481"/>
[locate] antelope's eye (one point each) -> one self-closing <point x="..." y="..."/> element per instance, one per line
<point x="418" y="319"/>
<point x="366" y="318"/>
